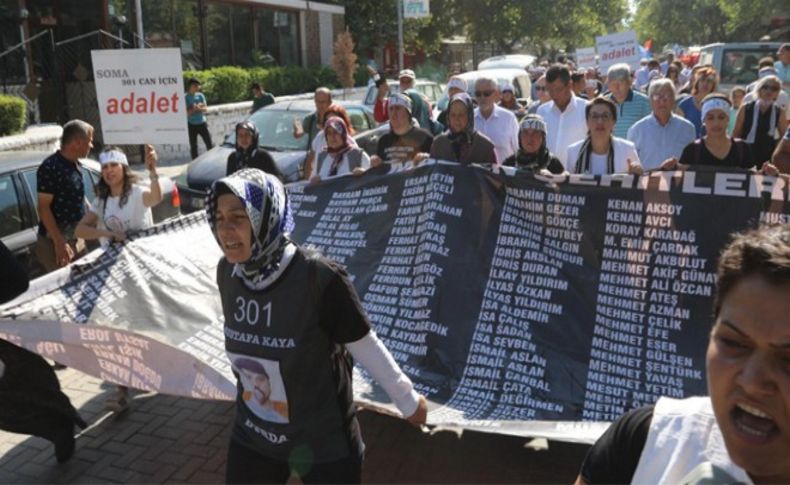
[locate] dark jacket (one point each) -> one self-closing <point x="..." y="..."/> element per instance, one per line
<point x="252" y="157"/>
<point x="525" y="162"/>
<point x="465" y="147"/>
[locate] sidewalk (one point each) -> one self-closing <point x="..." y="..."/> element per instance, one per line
<point x="166" y="439"/>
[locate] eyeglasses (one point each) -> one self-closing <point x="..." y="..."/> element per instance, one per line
<point x="601" y="116"/>
<point x="773" y="88"/>
<point x="541" y="88"/>
<point x="483" y="94"/>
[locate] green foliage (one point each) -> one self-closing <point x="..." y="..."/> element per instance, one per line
<point x="690" y="22"/>
<point x="434" y="71"/>
<point x="12" y="114"/>
<point x="228" y="84"/>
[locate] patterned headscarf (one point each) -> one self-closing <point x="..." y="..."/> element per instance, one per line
<point x="266" y="202"/>
<point x="339" y="126"/>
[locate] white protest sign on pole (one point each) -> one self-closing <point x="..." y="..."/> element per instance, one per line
<point x="416" y="9"/>
<point x="616" y="48"/>
<point x="141" y="96"/>
<point x="585" y="57"/>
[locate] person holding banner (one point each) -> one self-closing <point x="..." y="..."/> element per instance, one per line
<point x="341" y="156"/>
<point x="601" y="153"/>
<point x="297" y="315"/>
<point x="741" y="432"/>
<point x="248" y="153"/>
<point x="533" y="155"/>
<point x="405" y="144"/>
<point x="461" y="143"/>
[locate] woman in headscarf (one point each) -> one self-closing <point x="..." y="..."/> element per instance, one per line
<point x="601" y="152"/>
<point x="249" y="154"/>
<point x="761" y="122"/>
<point x="298" y="315"/>
<point x="461" y="143"/>
<point x="342" y="156"/>
<point x="533" y="155"/>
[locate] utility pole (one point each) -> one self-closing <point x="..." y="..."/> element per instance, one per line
<point x="138" y="9"/>
<point x="400" y="33"/>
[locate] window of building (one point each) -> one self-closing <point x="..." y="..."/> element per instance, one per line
<point x="278" y="35"/>
<point x="218" y="31"/>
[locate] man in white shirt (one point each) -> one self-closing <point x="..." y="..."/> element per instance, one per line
<point x="564" y="114"/>
<point x="498" y="124"/>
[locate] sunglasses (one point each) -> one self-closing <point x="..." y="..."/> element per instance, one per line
<point x="483" y="94"/>
<point x="541" y="88"/>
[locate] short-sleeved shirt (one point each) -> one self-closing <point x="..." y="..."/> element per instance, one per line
<point x="739" y="156"/>
<point x="615" y="456"/>
<point x="394" y="148"/>
<point x="198" y="117"/>
<point x="264" y="100"/>
<point x="635" y="107"/>
<point x="286" y="346"/>
<point x="63" y="179"/>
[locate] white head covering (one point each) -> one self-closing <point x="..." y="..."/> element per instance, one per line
<point x="715" y="103"/>
<point x="457" y="83"/>
<point x="113" y="156"/>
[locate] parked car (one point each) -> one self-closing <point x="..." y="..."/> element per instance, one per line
<point x="737" y="63"/>
<point x="275" y="125"/>
<point x="517" y="77"/>
<point x="427" y="88"/>
<point x="19" y="201"/>
<point x="510" y="61"/>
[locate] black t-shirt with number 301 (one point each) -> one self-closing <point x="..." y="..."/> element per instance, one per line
<point x="294" y="397"/>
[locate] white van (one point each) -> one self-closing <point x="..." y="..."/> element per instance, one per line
<point x="737" y="63"/>
<point x="518" y="78"/>
<point x="510" y="61"/>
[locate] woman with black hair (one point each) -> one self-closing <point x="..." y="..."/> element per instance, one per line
<point x="295" y="315"/>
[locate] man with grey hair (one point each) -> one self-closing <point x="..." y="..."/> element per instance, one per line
<point x="632" y="105"/>
<point x="661" y="135"/>
<point x="61" y="197"/>
<point x="498" y="124"/>
<point x="313" y="123"/>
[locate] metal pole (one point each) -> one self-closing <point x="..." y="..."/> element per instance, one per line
<point x="400" y="34"/>
<point x="138" y="12"/>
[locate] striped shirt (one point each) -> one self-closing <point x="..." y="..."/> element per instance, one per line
<point x="635" y="107"/>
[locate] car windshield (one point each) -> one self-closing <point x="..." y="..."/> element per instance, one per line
<point x="740" y="66"/>
<point x="276" y="129"/>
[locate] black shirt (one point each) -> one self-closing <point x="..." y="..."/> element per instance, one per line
<point x="63" y="179"/>
<point x="260" y="159"/>
<point x="394" y="148"/>
<point x="294" y="375"/>
<point x="615" y="456"/>
<point x="740" y="155"/>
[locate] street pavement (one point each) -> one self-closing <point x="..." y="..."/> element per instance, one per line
<point x="167" y="439"/>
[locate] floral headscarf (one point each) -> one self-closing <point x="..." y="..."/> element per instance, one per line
<point x="266" y="203"/>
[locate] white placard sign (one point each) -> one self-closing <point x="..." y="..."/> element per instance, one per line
<point x="141" y="96"/>
<point x="585" y="57"/>
<point x="416" y="9"/>
<point x="616" y="48"/>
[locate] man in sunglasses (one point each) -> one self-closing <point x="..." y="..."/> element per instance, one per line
<point x="498" y="124"/>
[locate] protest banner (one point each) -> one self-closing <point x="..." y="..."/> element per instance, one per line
<point x="617" y="48"/>
<point x="585" y="57"/>
<point x="141" y="96"/>
<point x="534" y="306"/>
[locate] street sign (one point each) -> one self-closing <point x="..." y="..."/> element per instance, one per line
<point x="416" y="9"/>
<point x="141" y="96"/>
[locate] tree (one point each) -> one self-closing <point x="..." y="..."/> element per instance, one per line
<point x="344" y="60"/>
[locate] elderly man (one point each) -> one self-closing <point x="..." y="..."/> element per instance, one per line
<point x="498" y="124"/>
<point x="661" y="135"/>
<point x="632" y="105"/>
<point x="783" y="64"/>
<point x="313" y="123"/>
<point x="564" y="114"/>
<point x="406" y="80"/>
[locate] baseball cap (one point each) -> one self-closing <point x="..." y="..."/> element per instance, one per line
<point x="407" y="73"/>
